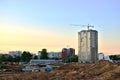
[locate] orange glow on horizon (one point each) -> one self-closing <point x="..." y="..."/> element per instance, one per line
<point x="19" y="38"/>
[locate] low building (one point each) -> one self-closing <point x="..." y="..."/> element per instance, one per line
<point x="100" y="56"/>
<point x="43" y="61"/>
<point x="107" y="58"/>
<point x="15" y="53"/>
<point x="54" y="55"/>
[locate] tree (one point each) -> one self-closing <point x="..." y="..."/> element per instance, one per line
<point x="17" y="59"/>
<point x="75" y="58"/>
<point x="9" y="58"/>
<point x="35" y="57"/>
<point x="70" y="59"/>
<point x="44" y="54"/>
<point x="26" y="56"/>
<point x="115" y="57"/>
<point x="3" y="59"/>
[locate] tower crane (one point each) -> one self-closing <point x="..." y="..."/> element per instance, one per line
<point x="88" y="26"/>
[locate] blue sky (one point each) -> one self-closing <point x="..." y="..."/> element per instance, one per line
<point x="52" y="18"/>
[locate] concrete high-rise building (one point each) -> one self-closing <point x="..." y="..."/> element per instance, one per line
<point x="88" y="46"/>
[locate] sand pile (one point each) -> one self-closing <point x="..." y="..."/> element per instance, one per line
<point x="102" y="70"/>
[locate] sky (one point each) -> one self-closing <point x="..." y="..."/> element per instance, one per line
<point x="31" y="25"/>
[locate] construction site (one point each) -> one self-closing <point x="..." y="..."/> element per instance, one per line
<point x="88" y="66"/>
<point x="101" y="70"/>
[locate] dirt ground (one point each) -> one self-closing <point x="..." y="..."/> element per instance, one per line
<point x="102" y="70"/>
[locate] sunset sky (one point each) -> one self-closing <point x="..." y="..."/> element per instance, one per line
<point x="35" y="24"/>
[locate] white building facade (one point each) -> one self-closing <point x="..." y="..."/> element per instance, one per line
<point x="101" y="56"/>
<point x="51" y="54"/>
<point x="88" y="46"/>
<point x="15" y="53"/>
<point x="54" y="55"/>
<point x="39" y="54"/>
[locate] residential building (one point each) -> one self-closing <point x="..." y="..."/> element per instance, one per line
<point x="15" y="53"/>
<point x="70" y="52"/>
<point x="88" y="46"/>
<point x="100" y="56"/>
<point x="54" y="55"/>
<point x="67" y="52"/>
<point x="64" y="53"/>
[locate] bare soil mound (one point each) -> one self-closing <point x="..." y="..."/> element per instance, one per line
<point x="102" y="70"/>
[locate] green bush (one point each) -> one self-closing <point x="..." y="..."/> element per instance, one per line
<point x="2" y="66"/>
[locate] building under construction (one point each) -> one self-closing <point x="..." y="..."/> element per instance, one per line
<point x="88" y="46"/>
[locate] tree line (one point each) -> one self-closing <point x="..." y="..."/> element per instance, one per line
<point x="115" y="57"/>
<point x="26" y="56"/>
<point x="70" y="59"/>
